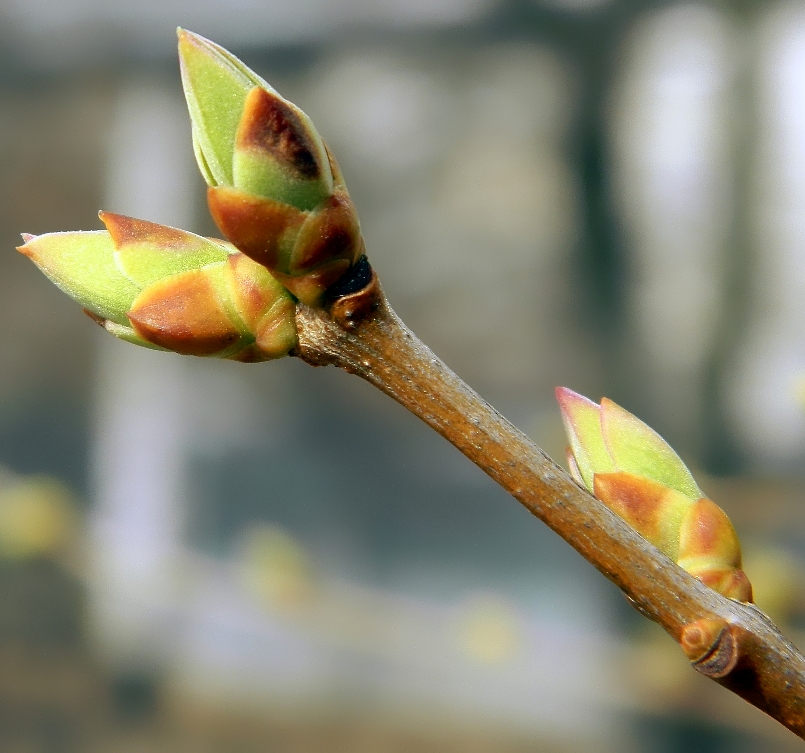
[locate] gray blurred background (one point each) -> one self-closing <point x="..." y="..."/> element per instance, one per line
<point x="207" y="556"/>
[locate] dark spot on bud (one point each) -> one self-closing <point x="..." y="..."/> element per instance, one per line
<point x="270" y="124"/>
<point x="352" y="308"/>
<point x="357" y="278"/>
<point x="309" y="288"/>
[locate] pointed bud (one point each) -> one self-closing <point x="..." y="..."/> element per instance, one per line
<point x="582" y="420"/>
<point x="216" y="84"/>
<point x="634" y="472"/>
<point x="165" y="288"/>
<point x="83" y="265"/>
<point x="275" y="191"/>
<point x="607" y="437"/>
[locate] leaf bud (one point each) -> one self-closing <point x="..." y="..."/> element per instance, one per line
<point x="274" y="189"/>
<point x="164" y="288"/>
<point x="635" y="472"/>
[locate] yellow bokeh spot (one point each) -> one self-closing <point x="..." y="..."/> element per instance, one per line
<point x="656" y="671"/>
<point x="777" y="581"/>
<point x="490" y="631"/>
<point x="36" y="518"/>
<point x="275" y="568"/>
<point x="799" y="391"/>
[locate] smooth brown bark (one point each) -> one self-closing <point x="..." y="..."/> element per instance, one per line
<point x="735" y="644"/>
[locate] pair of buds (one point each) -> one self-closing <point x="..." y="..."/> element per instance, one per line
<point x="275" y="193"/>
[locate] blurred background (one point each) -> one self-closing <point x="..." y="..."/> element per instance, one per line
<point x="206" y="556"/>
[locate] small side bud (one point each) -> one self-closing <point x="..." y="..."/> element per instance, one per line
<point x="711" y="646"/>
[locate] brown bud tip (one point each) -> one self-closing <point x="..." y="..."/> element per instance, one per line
<point x="131" y="230"/>
<point x="271" y="125"/>
<point x="27" y="237"/>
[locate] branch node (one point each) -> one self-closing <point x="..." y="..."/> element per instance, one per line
<point x="711" y="646"/>
<point x="352" y="308"/>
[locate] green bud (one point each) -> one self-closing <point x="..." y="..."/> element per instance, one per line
<point x="605" y="438"/>
<point x="275" y="191"/>
<point x="636" y="473"/>
<point x="164" y="288"/>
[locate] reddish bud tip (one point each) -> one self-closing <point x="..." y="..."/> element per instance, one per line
<point x="271" y="125"/>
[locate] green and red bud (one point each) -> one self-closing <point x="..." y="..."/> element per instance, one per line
<point x="165" y="288"/>
<point x="274" y="189"/>
<point x="633" y="470"/>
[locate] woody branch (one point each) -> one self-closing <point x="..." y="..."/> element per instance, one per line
<point x="733" y="643"/>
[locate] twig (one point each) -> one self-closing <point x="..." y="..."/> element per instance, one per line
<point x="735" y="644"/>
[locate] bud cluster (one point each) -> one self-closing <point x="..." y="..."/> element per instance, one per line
<point x="633" y="471"/>
<point x="275" y="192"/>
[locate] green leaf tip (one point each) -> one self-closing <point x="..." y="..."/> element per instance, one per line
<point x="636" y="448"/>
<point x="83" y="265"/>
<point x="606" y="438"/>
<point x="215" y="89"/>
<point x="246" y="135"/>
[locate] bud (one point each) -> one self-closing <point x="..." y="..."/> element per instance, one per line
<point x="274" y="189"/>
<point x="168" y="289"/>
<point x="634" y="472"/>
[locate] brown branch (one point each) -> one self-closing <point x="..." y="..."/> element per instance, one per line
<point x="735" y="644"/>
